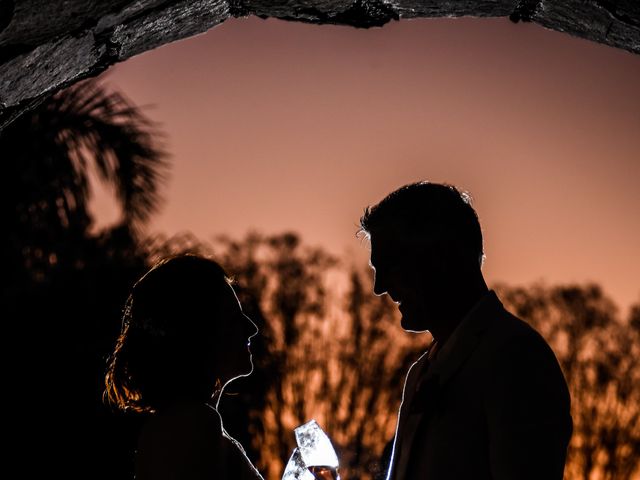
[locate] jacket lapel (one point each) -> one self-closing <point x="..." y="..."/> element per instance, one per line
<point x="395" y="470"/>
<point x="471" y="331"/>
<point x="421" y="392"/>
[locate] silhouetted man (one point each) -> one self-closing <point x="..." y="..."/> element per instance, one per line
<point x="488" y="399"/>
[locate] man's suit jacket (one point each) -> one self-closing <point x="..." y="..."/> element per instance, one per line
<point x="495" y="407"/>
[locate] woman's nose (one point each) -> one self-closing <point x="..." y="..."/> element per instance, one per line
<point x="252" y="328"/>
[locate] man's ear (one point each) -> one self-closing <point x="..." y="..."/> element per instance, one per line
<point x="432" y="260"/>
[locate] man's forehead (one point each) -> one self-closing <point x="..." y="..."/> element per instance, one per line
<point x="389" y="244"/>
<point x="392" y="237"/>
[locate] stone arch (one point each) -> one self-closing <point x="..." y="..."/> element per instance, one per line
<point x="45" y="47"/>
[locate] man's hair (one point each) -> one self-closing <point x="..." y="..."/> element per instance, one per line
<point x="429" y="210"/>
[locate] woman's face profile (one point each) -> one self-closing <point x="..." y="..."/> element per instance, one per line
<point x="233" y="335"/>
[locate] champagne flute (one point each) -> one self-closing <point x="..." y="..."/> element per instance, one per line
<point x="314" y="458"/>
<point x="322" y="472"/>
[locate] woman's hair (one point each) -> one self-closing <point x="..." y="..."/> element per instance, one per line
<point x="165" y="347"/>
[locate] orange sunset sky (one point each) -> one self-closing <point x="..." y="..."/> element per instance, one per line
<point x="275" y="126"/>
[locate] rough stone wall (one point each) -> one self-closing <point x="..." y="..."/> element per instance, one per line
<point x="46" y="45"/>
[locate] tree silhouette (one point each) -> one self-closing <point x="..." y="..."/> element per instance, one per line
<point x="63" y="286"/>
<point x="600" y="357"/>
<point x="634" y="317"/>
<point x="329" y="349"/>
<point x="282" y="283"/>
<point x="49" y="156"/>
<point x="362" y="384"/>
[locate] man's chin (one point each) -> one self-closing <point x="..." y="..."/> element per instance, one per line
<point x="409" y="323"/>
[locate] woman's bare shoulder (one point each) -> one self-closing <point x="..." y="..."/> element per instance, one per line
<point x="185" y="441"/>
<point x="184" y="418"/>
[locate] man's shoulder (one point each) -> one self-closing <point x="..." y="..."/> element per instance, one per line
<point x="509" y="334"/>
<point x="521" y="363"/>
<point x="513" y="326"/>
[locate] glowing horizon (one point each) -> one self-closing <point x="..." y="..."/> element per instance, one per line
<point x="286" y="126"/>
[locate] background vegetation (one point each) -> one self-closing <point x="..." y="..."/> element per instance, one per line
<point x="328" y="348"/>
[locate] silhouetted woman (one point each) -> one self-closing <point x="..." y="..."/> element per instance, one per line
<point x="184" y="336"/>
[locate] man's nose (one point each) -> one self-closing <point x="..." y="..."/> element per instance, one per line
<point x="379" y="287"/>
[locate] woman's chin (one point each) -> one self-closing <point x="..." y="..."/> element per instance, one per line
<point x="243" y="370"/>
